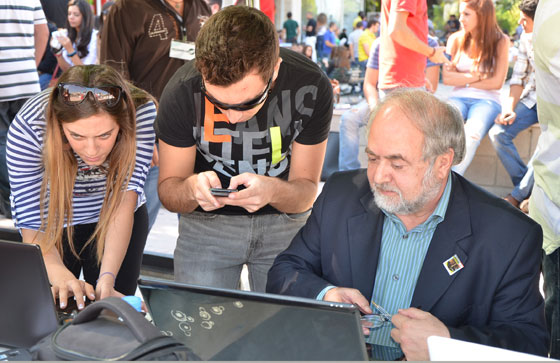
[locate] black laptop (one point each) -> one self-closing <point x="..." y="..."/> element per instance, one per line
<point x="27" y="311"/>
<point x="223" y="324"/>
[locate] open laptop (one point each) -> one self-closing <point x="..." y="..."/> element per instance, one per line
<point x="223" y="324"/>
<point x="27" y="311"/>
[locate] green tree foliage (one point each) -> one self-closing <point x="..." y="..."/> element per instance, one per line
<point x="507" y="14"/>
<point x="372" y="5"/>
<point x="437" y="16"/>
<point x="308" y="5"/>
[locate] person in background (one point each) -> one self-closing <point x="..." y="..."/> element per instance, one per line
<point x="439" y="254"/>
<point x="215" y="5"/>
<point x="329" y="43"/>
<point x="48" y="63"/>
<point x="78" y="155"/>
<point x="366" y="40"/>
<point x="146" y="58"/>
<point x="404" y="45"/>
<point x="101" y="20"/>
<point x="451" y="26"/>
<point x="357" y="117"/>
<point x="479" y="55"/>
<point x="544" y="203"/>
<point x="252" y="117"/>
<point x="358" y="19"/>
<point x="519" y="111"/>
<point x="343" y="38"/>
<point x="353" y="41"/>
<point x="56" y="11"/>
<point x="311" y="33"/>
<point x="321" y="30"/>
<point x="80" y="46"/>
<point x="24" y="32"/>
<point x="308" y="51"/>
<point x="291" y="29"/>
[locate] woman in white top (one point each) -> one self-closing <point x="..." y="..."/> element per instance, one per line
<point x="479" y="55"/>
<point x="80" y="46"/>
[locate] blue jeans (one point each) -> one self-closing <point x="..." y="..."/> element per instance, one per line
<point x="502" y="139"/>
<point x="152" y="198"/>
<point x="349" y="142"/>
<point x="44" y="80"/>
<point x="212" y="248"/>
<point x="551" y="272"/>
<point x="479" y="116"/>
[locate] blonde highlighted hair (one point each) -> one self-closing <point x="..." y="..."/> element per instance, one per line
<point x="60" y="164"/>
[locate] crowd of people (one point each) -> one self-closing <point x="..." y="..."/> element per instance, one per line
<point x="202" y="110"/>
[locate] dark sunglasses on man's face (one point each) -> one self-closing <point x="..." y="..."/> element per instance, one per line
<point x="245" y="106"/>
<point x="74" y="94"/>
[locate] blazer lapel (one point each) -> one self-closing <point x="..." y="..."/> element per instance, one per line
<point x="450" y="238"/>
<point x="364" y="242"/>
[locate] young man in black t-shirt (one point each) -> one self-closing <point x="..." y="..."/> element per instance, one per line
<point x="249" y="116"/>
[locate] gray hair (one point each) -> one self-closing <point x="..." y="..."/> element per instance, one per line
<point x="440" y="122"/>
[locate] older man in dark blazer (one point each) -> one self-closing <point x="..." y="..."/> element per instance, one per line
<point x="443" y="256"/>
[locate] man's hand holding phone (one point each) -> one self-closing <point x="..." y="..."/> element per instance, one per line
<point x="222" y="192"/>
<point x="257" y="191"/>
<point x="200" y="185"/>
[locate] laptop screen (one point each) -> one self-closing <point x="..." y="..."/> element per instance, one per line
<point x="222" y="324"/>
<point x="27" y="311"/>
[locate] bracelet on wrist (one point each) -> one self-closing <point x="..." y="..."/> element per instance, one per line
<point x="107" y="273"/>
<point x="433" y="52"/>
<point x="70" y="55"/>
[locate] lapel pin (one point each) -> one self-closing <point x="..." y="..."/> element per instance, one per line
<point x="453" y="265"/>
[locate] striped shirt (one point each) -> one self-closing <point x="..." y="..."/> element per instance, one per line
<point x="18" y="71"/>
<point x="400" y="261"/>
<point x="524" y="71"/>
<point x="544" y="206"/>
<point x="25" y="167"/>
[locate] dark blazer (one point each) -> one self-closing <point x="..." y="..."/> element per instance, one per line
<point x="493" y="300"/>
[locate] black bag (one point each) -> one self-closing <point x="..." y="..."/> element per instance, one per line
<point x="123" y="335"/>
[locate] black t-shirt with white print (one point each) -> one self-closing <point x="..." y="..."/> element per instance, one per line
<point x="299" y="108"/>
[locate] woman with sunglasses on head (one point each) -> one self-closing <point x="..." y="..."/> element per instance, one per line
<point x="78" y="155"/>
<point x="479" y="56"/>
<point x="80" y="46"/>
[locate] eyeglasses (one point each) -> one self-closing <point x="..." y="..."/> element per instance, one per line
<point x="240" y="106"/>
<point x="74" y="94"/>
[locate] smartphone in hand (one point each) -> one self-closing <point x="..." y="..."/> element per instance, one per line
<point x="222" y="192"/>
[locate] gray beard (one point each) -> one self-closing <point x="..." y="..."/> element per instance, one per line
<point x="430" y="189"/>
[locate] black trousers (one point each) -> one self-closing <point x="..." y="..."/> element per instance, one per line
<point x="130" y="269"/>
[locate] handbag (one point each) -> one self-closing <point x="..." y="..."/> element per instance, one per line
<point x="109" y="329"/>
<point x="54" y="78"/>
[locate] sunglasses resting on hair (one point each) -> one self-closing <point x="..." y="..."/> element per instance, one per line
<point x="74" y="94"/>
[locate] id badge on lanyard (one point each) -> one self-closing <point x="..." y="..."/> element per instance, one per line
<point x="181" y="49"/>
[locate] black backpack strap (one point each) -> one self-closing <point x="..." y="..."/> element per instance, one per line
<point x="135" y="321"/>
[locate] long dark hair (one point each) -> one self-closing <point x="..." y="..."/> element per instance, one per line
<point x="82" y="38"/>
